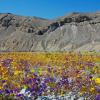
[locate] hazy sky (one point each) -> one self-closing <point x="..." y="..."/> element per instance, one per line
<point x="48" y="8"/>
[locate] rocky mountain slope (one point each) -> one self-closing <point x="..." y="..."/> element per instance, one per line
<point x="73" y="32"/>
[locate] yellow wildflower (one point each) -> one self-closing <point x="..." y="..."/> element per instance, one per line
<point x="92" y="89"/>
<point x="97" y="80"/>
<point x="32" y="70"/>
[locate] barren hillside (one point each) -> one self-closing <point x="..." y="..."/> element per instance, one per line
<point x="76" y="31"/>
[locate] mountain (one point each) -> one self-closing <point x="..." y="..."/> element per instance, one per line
<point x="72" y="32"/>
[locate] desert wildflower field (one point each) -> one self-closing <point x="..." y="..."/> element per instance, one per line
<point x="44" y="76"/>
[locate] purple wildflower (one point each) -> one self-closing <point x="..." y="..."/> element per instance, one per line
<point x="18" y="95"/>
<point x="6" y="62"/>
<point x="64" y="81"/>
<point x="3" y="81"/>
<point x="98" y="89"/>
<point x="97" y="97"/>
